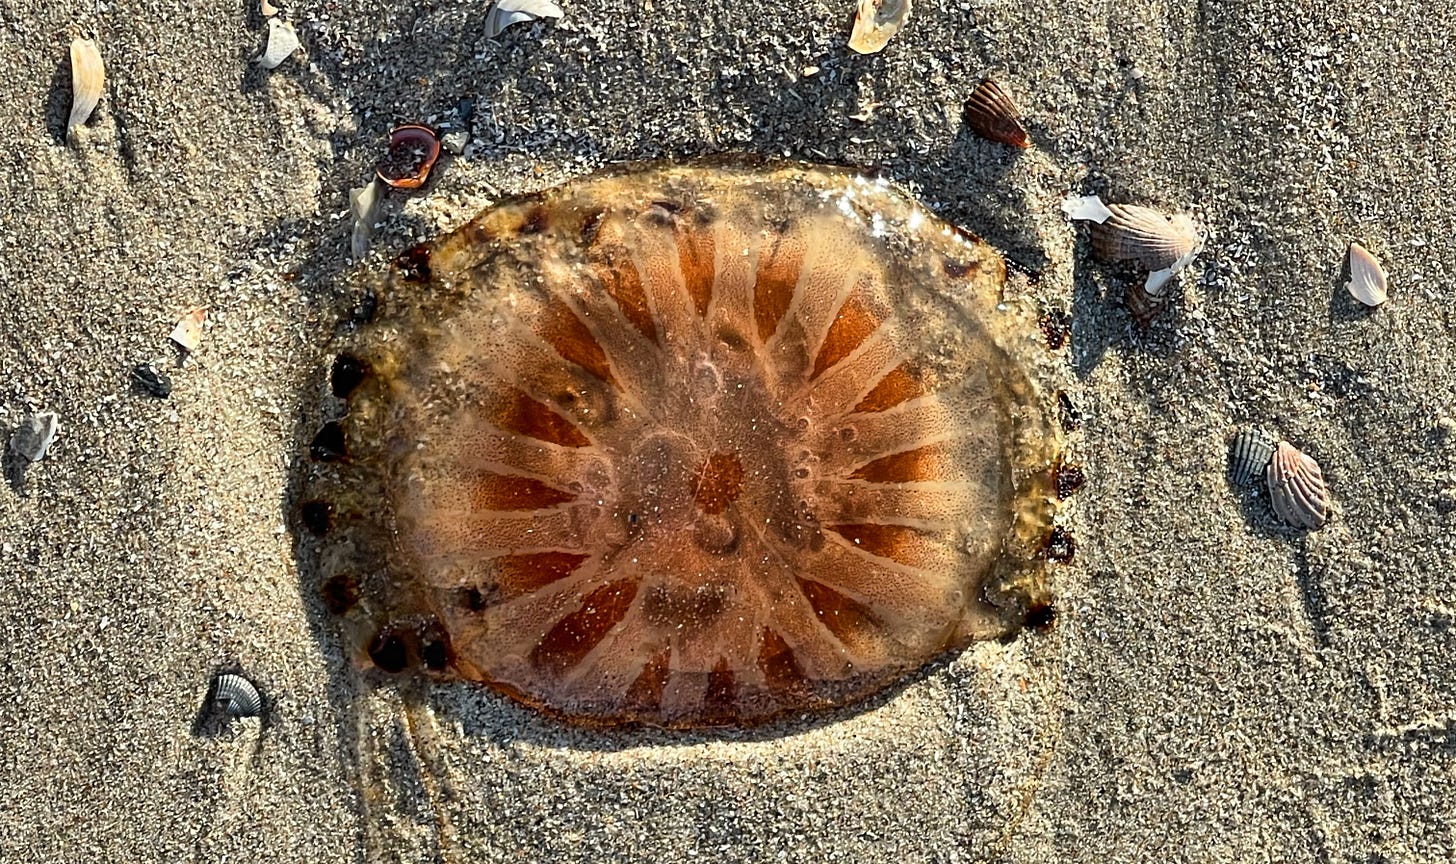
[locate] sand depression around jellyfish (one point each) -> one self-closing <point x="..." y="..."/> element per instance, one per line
<point x="686" y="445"/>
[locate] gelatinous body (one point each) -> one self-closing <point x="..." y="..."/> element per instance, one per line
<point x="687" y="445"/>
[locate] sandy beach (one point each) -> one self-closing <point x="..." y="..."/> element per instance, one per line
<point x="1218" y="686"/>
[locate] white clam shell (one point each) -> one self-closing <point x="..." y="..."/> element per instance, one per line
<point x="1147" y="237"/>
<point x="875" y="22"/>
<point x="508" y="12"/>
<point x="1367" y="279"/>
<point x="88" y="78"/>
<point x="282" y="41"/>
<point x="1297" y="488"/>
<point x="1249" y="453"/>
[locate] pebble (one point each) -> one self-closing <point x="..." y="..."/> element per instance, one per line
<point x="34" y="436"/>
<point x="154" y="382"/>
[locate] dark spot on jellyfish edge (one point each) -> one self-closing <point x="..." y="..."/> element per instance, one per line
<point x="389" y="652"/>
<point x="367" y="307"/>
<point x="1041" y="617"/>
<point x="969" y="235"/>
<point x="435" y="651"/>
<point x="1069" y="479"/>
<point x="1071" y="417"/>
<point x="590" y="225"/>
<point x="535" y="220"/>
<point x="340" y="593"/>
<point x="1033" y="276"/>
<point x="414" y="263"/>
<point x="317" y="517"/>
<point x="328" y="444"/>
<point x="956" y="269"/>
<point x="347" y="373"/>
<point x="1059" y="546"/>
<point x="1056" y="328"/>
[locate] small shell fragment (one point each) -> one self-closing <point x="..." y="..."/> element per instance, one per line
<point x="236" y="696"/>
<point x="877" y="21"/>
<point x="33" y="437"/>
<point x="1249" y="453"/>
<point x="506" y="13"/>
<point x="1297" y="488"/>
<point x="455" y="142"/>
<point x="1086" y="208"/>
<point x="266" y="9"/>
<point x="188" y="333"/>
<point x="1367" y="279"/>
<point x="364" y="205"/>
<point x="88" y="77"/>
<point x="991" y="114"/>
<point x="282" y="41"/>
<point x="412" y="153"/>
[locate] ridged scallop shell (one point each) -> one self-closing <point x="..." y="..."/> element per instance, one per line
<point x="991" y="114"/>
<point x="1297" y="488"/>
<point x="877" y="21"/>
<point x="1249" y="453"/>
<point x="1367" y="279"/>
<point x="236" y="696"/>
<point x="88" y="77"/>
<point x="506" y="13"/>
<point x="1146" y="237"/>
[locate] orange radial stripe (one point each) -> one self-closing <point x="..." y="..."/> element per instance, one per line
<point x="722" y="688"/>
<point x="621" y="280"/>
<point x="895" y="542"/>
<point x="781" y="670"/>
<point x="510" y="492"/>
<point x="851" y="327"/>
<point x="521" y="574"/>
<point x="695" y="255"/>
<point x="521" y="414"/>
<point x="573" y="341"/>
<point x="778" y="276"/>
<point x="645" y="693"/>
<point x="900" y="385"/>
<point x="907" y="467"/>
<point x="577" y="634"/>
<point x="849" y="621"/>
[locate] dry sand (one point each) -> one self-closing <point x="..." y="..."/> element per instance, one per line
<point x="1218" y="688"/>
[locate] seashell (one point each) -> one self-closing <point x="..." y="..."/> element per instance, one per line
<point x="33" y="437"/>
<point x="282" y="41"/>
<point x="1249" y="453"/>
<point x="1367" y="278"/>
<point x="412" y="153"/>
<point x="88" y="77"/>
<point x="875" y="22"/>
<point x="1297" y="488"/>
<point x="506" y="13"/>
<point x="188" y="333"/>
<point x="364" y="205"/>
<point x="991" y="114"/>
<point x="236" y="696"/>
<point x="1086" y="208"/>
<point x="1147" y="237"/>
<point x="266" y="9"/>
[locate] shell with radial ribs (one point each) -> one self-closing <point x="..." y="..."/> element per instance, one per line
<point x="1297" y="488"/>
<point x="1161" y="245"/>
<point x="991" y="114"/>
<point x="1249" y="453"/>
<point x="236" y="696"/>
<point x="88" y="77"/>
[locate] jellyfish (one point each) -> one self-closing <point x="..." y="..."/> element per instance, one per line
<point x="686" y="445"/>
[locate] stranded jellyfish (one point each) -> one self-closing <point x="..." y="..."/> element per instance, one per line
<point x="686" y="445"/>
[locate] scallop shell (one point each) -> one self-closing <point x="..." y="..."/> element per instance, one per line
<point x="991" y="114"/>
<point x="508" y="12"/>
<point x="1249" y="453"/>
<point x="236" y="696"/>
<point x="877" y="21"/>
<point x="88" y="77"/>
<point x="1147" y="237"/>
<point x="1367" y="279"/>
<point x="1297" y="488"/>
<point x="282" y="41"/>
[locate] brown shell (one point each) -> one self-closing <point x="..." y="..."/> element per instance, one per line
<point x="991" y="114"/>
<point x="688" y="445"/>
<point x="412" y="153"/>
<point x="1297" y="488"/>
<point x="1144" y="236"/>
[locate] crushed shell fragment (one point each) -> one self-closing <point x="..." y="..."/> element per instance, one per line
<point x="33" y="437"/>
<point x="88" y="77"/>
<point x="1249" y="453"/>
<point x="1367" y="279"/>
<point x="1297" y="488"/>
<point x="187" y="335"/>
<point x="875" y="22"/>
<point x="1086" y="208"/>
<point x="364" y="207"/>
<point x="991" y="114"/>
<point x="282" y="41"/>
<point x="236" y="696"/>
<point x="506" y="13"/>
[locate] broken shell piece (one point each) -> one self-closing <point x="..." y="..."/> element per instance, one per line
<point x="236" y="696"/>
<point x="1249" y="453"/>
<point x="88" y="77"/>
<point x="991" y="114"/>
<point x="364" y="205"/>
<point x="1086" y="208"/>
<point x="188" y="333"/>
<point x="34" y="436"/>
<point x="412" y="153"/>
<point x="875" y="22"/>
<point x="455" y="142"/>
<point x="266" y="9"/>
<point x="282" y="41"/>
<point x="1367" y="279"/>
<point x="508" y="12"/>
<point x="1297" y="488"/>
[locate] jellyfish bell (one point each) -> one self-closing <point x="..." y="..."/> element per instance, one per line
<point x="688" y="445"/>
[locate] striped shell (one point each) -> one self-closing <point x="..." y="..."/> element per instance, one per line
<point x="1297" y="488"/>
<point x="991" y="114"/>
<point x="687" y="445"/>
<point x="1146" y="237"/>
<point x="236" y="696"/>
<point x="1367" y="279"/>
<point x="1249" y="453"/>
